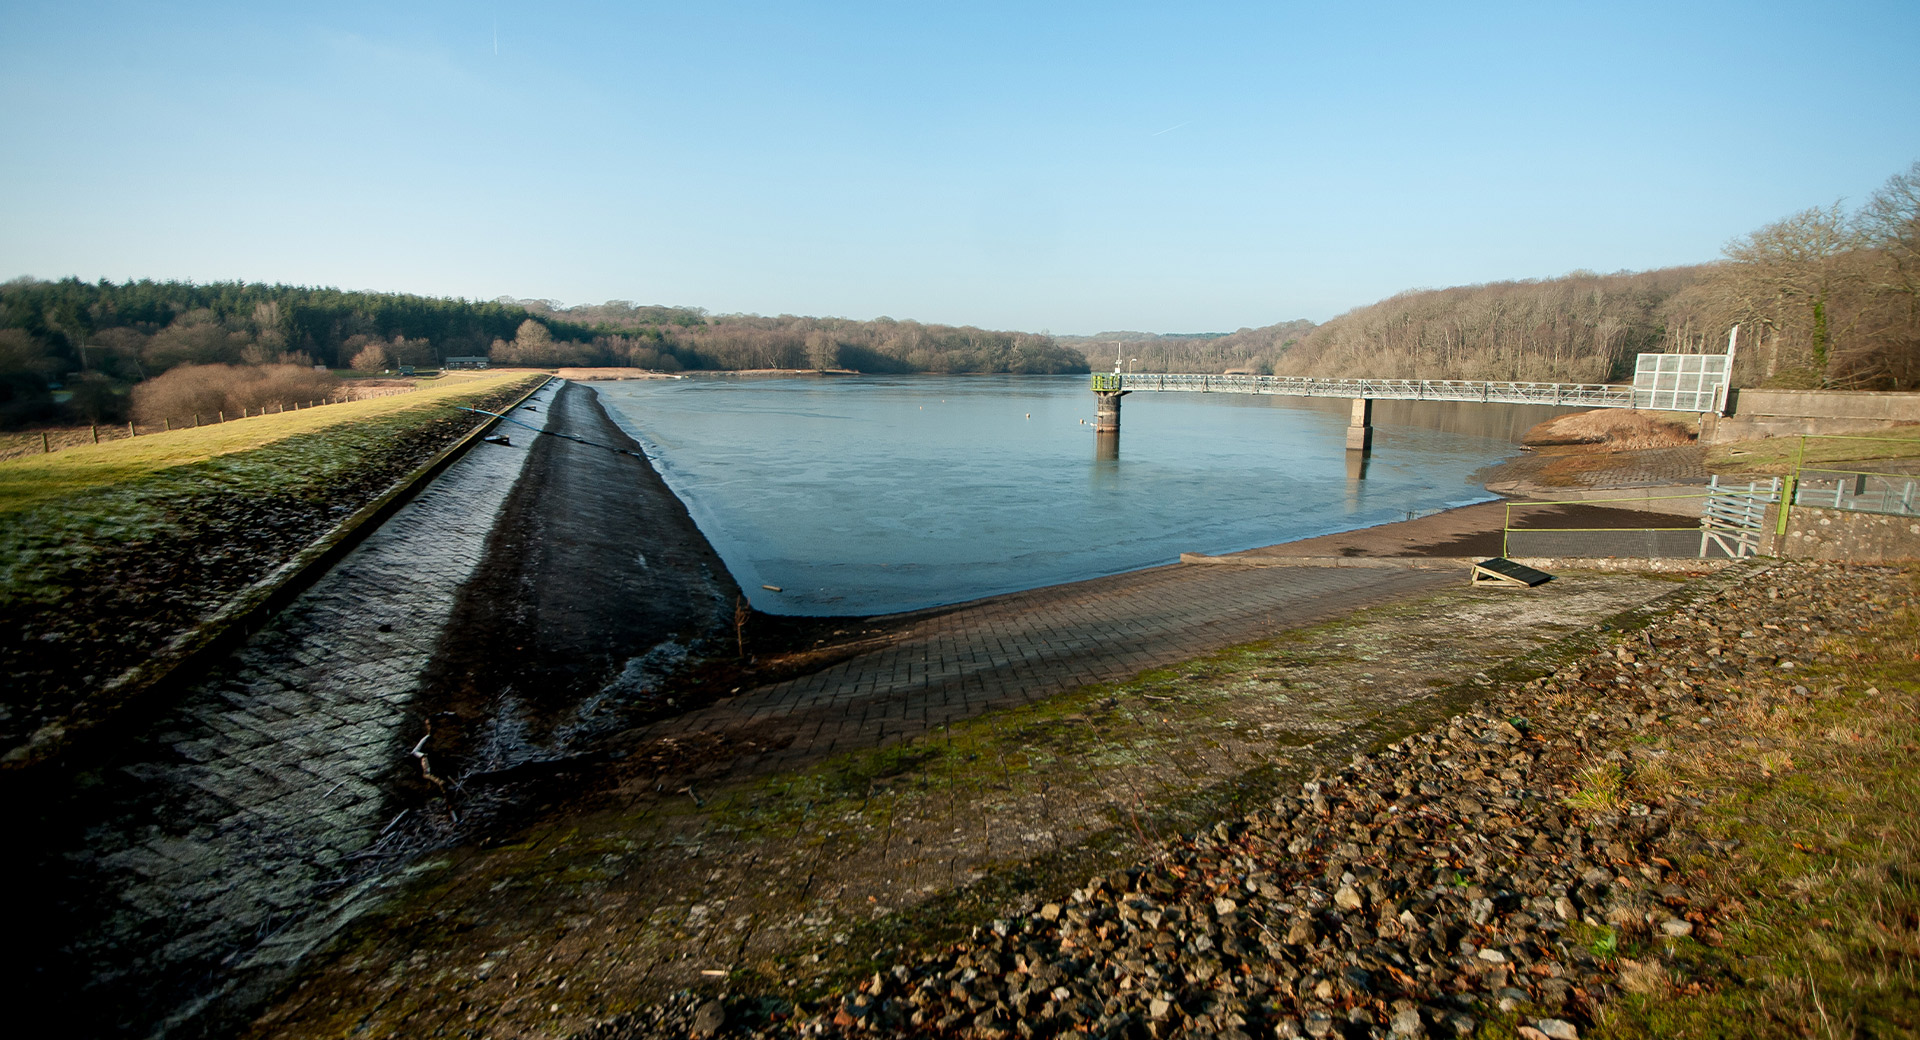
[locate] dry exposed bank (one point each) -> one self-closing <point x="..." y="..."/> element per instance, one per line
<point x="1698" y="828"/>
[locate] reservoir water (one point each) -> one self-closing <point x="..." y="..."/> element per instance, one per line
<point x="875" y="494"/>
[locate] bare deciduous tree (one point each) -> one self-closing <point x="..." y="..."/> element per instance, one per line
<point x="1793" y="276"/>
<point x="372" y="358"/>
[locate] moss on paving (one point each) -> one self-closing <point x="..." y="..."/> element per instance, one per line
<point x="981" y="745"/>
<point x="802" y="850"/>
<point x="1823" y="885"/>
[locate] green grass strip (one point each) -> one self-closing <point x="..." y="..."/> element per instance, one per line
<point x="36" y="479"/>
<point x="57" y="511"/>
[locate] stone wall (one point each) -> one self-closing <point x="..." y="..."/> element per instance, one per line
<point x="1838" y="534"/>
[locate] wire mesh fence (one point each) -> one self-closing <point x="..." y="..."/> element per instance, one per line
<point x="1854" y="473"/>
<point x="1860" y="491"/>
<point x="1655" y="543"/>
<point x="1718" y="522"/>
<point x="1849" y="473"/>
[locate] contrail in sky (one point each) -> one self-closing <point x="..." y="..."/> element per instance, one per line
<point x="1169" y="130"/>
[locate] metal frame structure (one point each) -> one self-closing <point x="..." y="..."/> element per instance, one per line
<point x="1681" y="382"/>
<point x="1590" y="395"/>
<point x="1851" y="490"/>
<point x="1735" y="517"/>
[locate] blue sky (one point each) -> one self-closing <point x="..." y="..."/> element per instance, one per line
<point x="1064" y="166"/>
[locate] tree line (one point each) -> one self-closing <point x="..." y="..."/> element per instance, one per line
<point x="738" y="342"/>
<point x="1824" y="298"/>
<point x="1828" y="297"/>
<point x="1832" y="294"/>
<point x="1583" y="328"/>
<point x="1246" y="350"/>
<point x="95" y="340"/>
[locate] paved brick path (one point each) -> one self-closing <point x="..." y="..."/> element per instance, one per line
<point x="1023" y="647"/>
<point x="239" y="812"/>
<point x="623" y="883"/>
<point x="1686" y="464"/>
<point x="221" y="840"/>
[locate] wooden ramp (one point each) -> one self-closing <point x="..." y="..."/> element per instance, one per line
<point x="1504" y="573"/>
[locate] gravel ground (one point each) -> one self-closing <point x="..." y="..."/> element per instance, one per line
<point x="1479" y="871"/>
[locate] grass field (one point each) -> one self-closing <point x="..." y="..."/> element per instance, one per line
<point x="1825" y="874"/>
<point x="35" y="479"/>
<point x="1775" y="455"/>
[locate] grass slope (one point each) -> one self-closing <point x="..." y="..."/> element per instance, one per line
<point x="34" y="479"/>
<point x="108" y="552"/>
<point x="1824" y="879"/>
<point x="1775" y="455"/>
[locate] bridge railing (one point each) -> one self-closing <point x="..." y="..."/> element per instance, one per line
<point x="1599" y="395"/>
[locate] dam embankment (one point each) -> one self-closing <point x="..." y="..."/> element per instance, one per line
<point x="543" y="633"/>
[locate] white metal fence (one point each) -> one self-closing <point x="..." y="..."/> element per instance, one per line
<point x="1591" y="395"/>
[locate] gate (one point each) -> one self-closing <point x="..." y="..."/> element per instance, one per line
<point x="1735" y="517"/>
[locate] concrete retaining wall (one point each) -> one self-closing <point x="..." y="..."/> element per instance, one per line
<point x="1827" y="404"/>
<point x="1838" y="534"/>
<point x="1791" y="413"/>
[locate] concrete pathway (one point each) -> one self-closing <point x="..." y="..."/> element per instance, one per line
<point x="223" y="847"/>
<point x="1022" y="648"/>
<point x="761" y="842"/>
<point x="207" y="842"/>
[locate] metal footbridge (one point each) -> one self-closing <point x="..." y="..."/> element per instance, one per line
<point x="1666" y="382"/>
<point x="1586" y="395"/>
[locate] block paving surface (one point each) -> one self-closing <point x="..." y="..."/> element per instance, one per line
<point x="208" y="840"/>
<point x="1023" y="648"/>
<point x="678" y="877"/>
<point x="232" y="841"/>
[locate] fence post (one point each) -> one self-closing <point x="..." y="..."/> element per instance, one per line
<point x="1788" y="489"/>
<point x="94" y="428"/>
<point x="130" y="430"/>
<point x="223" y="415"/>
<point x="46" y="443"/>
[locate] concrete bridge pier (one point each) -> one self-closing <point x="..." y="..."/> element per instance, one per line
<point x="1359" y="428"/>
<point x="1106" y="410"/>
